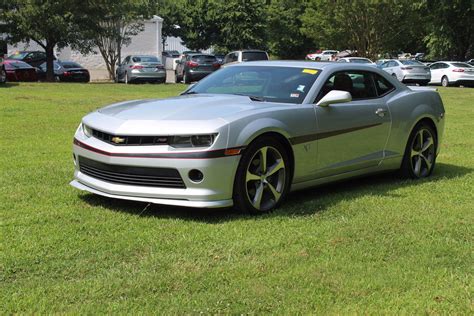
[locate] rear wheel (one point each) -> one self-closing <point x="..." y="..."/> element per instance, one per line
<point x="263" y="177"/>
<point x="445" y="81"/>
<point x="176" y="77"/>
<point x="3" y="76"/>
<point x="423" y="83"/>
<point x="420" y="153"/>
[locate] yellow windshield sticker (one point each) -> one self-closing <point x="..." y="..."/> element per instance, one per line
<point x="310" y="71"/>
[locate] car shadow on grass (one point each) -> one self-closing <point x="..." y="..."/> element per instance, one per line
<point x="9" y="85"/>
<point x="301" y="203"/>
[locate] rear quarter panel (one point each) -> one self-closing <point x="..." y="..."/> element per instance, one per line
<point x="407" y="108"/>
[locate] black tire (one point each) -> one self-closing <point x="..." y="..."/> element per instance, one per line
<point x="445" y="81"/>
<point x="3" y="75"/>
<point x="177" y="79"/>
<point x="116" y="77"/>
<point x="187" y="78"/>
<point x="423" y="83"/>
<point x="278" y="181"/>
<point x="425" y="158"/>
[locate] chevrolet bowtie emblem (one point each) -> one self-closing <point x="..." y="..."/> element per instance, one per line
<point x="118" y="140"/>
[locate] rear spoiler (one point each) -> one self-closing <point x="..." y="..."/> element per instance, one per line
<point x="418" y="88"/>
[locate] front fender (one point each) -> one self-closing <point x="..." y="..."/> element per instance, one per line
<point x="244" y="136"/>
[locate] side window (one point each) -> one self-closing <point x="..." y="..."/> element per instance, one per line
<point x="234" y="57"/>
<point x="227" y="58"/>
<point x="434" y="66"/>
<point x="382" y="85"/>
<point x="443" y="66"/>
<point x="126" y="60"/>
<point x="358" y="83"/>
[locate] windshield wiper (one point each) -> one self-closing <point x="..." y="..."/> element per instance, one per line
<point x="252" y="97"/>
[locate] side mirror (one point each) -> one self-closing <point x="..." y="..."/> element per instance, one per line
<point x="335" y="96"/>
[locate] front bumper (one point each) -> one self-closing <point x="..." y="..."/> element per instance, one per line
<point x="214" y="191"/>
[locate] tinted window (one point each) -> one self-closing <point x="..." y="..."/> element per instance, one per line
<point x="71" y="65"/>
<point x="145" y="59"/>
<point x="204" y="59"/>
<point x="272" y="84"/>
<point x="17" y="56"/>
<point x="360" y="61"/>
<point x="249" y="56"/>
<point x="411" y="62"/>
<point x="358" y="83"/>
<point x="17" y="65"/>
<point x="461" y="65"/>
<point x="56" y="66"/>
<point x="382" y="85"/>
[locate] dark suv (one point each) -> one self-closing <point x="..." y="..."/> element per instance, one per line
<point x="193" y="67"/>
<point x="34" y="58"/>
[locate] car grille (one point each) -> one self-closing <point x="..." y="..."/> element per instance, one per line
<point x="130" y="140"/>
<point x="128" y="175"/>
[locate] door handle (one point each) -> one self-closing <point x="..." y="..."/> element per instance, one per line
<point x="380" y="112"/>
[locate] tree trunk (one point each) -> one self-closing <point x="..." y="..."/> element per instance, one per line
<point x="50" y="61"/>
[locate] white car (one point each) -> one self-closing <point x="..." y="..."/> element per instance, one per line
<point x="449" y="73"/>
<point x="407" y="71"/>
<point x="241" y="56"/>
<point x="325" y="55"/>
<point x="357" y="60"/>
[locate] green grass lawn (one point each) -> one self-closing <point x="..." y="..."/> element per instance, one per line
<point x="373" y="245"/>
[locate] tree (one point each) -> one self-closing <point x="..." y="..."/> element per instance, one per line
<point x="111" y="25"/>
<point x="284" y="35"/>
<point x="370" y="27"/>
<point x="49" y="23"/>
<point x="450" y="28"/>
<point x="170" y="11"/>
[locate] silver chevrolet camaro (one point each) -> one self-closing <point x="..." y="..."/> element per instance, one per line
<point x="250" y="133"/>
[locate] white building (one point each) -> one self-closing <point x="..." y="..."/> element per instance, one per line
<point x="148" y="42"/>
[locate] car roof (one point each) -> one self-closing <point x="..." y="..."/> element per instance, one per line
<point x="307" y="64"/>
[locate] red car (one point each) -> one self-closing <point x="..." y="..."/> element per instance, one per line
<point x="19" y="71"/>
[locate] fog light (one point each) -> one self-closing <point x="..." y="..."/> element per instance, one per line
<point x="195" y="175"/>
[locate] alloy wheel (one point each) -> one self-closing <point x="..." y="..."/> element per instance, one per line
<point x="265" y="178"/>
<point x="445" y="81"/>
<point x="422" y="153"/>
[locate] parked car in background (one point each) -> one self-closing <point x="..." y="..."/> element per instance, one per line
<point x="325" y="55"/>
<point x="470" y="62"/>
<point x="220" y="58"/>
<point x="19" y="71"/>
<point x="449" y="73"/>
<point x="241" y="56"/>
<point x="357" y="60"/>
<point x="33" y="58"/>
<point x="140" y="68"/>
<point x="67" y="71"/>
<point x="170" y="54"/>
<point x="3" y="73"/>
<point x="380" y="62"/>
<point x="408" y="71"/>
<point x="193" y="67"/>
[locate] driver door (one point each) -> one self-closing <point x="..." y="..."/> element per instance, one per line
<point x="352" y="135"/>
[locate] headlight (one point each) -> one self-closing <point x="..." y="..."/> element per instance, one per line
<point x="86" y="130"/>
<point x="192" y="141"/>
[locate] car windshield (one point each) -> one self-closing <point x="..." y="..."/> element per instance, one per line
<point x="411" y="62"/>
<point x="145" y="59"/>
<point x="360" y="61"/>
<point x="249" y="56"/>
<point x="204" y="59"/>
<point x="461" y="65"/>
<point x="17" y="65"/>
<point x="70" y="65"/>
<point x="261" y="83"/>
<point x="17" y="56"/>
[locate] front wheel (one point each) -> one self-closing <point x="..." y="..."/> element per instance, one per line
<point x="420" y="153"/>
<point x="186" y="78"/>
<point x="263" y="177"/>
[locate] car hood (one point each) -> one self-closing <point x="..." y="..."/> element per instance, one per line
<point x="187" y="107"/>
<point x="188" y="114"/>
